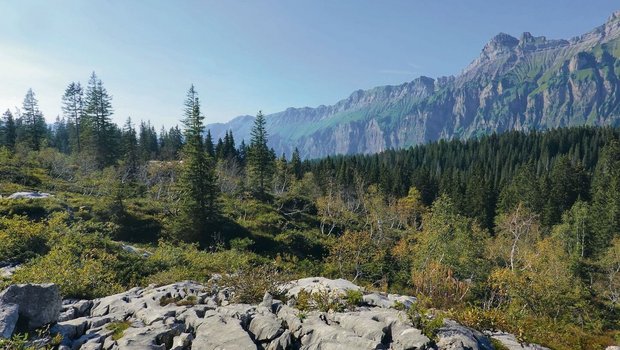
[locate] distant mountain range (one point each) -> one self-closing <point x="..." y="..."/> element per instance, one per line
<point x="515" y="84"/>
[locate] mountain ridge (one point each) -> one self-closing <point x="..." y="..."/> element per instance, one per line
<point x="529" y="82"/>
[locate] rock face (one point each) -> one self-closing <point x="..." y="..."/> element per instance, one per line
<point x="36" y="304"/>
<point x="515" y="84"/>
<point x="187" y="315"/>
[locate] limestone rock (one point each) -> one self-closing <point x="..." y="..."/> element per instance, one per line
<point x="39" y="304"/>
<point x="222" y="332"/>
<point x="9" y="314"/>
<point x="453" y="336"/>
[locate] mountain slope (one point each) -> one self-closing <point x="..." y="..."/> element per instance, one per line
<point x="515" y="84"/>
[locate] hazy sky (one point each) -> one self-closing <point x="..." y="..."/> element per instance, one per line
<point x="249" y="55"/>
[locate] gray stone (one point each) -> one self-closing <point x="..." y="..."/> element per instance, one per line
<point x="182" y="341"/>
<point x="453" y="336"/>
<point x="318" y="285"/>
<point x="265" y="328"/>
<point x="222" y="332"/>
<point x="364" y="327"/>
<point x="267" y="301"/>
<point x="39" y="304"/>
<point x="67" y="315"/>
<point x="9" y="314"/>
<point x="71" y="329"/>
<point x="283" y="342"/>
<point x="510" y="341"/>
<point x="409" y="339"/>
<point x="29" y="195"/>
<point x="316" y="334"/>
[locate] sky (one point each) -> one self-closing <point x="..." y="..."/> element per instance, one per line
<point x="244" y="56"/>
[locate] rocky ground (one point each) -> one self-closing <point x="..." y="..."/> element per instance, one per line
<point x="187" y="315"/>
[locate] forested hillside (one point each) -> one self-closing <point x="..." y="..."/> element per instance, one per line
<point x="516" y="231"/>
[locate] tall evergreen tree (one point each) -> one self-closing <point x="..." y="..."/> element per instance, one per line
<point x="9" y="130"/>
<point x="60" y="135"/>
<point x="33" y="122"/>
<point x="296" y="165"/>
<point x="73" y="110"/>
<point x="209" y="147"/>
<point x="200" y="207"/>
<point x="129" y="146"/>
<point x="97" y="113"/>
<point x="260" y="158"/>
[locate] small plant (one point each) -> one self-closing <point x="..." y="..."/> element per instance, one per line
<point x="425" y="320"/>
<point x="302" y="303"/>
<point x="164" y="300"/>
<point x="17" y="342"/>
<point x="189" y="301"/>
<point x="118" y="328"/>
<point x="302" y="316"/>
<point x="354" y="298"/>
<point x="399" y="306"/>
<point x="497" y="345"/>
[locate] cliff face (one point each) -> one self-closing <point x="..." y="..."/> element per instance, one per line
<point x="515" y="84"/>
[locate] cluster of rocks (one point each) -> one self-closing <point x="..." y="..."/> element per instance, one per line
<point x="188" y="315"/>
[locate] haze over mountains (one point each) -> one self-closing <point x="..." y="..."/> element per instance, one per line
<point x="515" y="84"/>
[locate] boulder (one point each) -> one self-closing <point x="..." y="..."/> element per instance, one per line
<point x="283" y="342"/>
<point x="29" y="195"/>
<point x="222" y="332"/>
<point x="453" y="336"/>
<point x="39" y="304"/>
<point x="265" y="328"/>
<point x="9" y="314"/>
<point x="511" y="343"/>
<point x="318" y="285"/>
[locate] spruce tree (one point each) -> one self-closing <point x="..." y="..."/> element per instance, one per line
<point x="9" y="130"/>
<point x="209" y="144"/>
<point x="101" y="131"/>
<point x="73" y="110"/>
<point x="32" y="120"/>
<point x="129" y="146"/>
<point x="200" y="199"/>
<point x="296" y="165"/>
<point x="260" y="157"/>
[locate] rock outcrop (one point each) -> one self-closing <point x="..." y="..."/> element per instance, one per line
<point x="188" y="315"/>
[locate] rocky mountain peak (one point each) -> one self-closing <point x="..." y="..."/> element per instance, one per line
<point x="500" y="44"/>
<point x="614" y="17"/>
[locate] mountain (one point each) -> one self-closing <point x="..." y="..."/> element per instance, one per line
<point x="515" y="84"/>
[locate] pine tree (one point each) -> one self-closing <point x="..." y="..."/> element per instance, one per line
<point x="9" y="130"/>
<point x="101" y="131"/>
<point x="200" y="207"/>
<point x="73" y="110"/>
<point x="260" y="158"/>
<point x="33" y="122"/>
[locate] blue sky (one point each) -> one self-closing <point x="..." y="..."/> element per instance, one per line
<point x="248" y="55"/>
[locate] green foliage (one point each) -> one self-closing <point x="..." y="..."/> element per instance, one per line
<point x="424" y="319"/>
<point x="199" y="200"/>
<point x="354" y="298"/>
<point x="260" y="158"/>
<point x="118" y="328"/>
